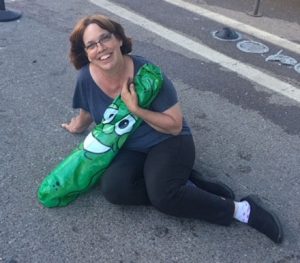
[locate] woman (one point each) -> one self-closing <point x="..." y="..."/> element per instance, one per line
<point x="156" y="163"/>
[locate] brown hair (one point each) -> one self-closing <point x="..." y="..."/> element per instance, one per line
<point x="77" y="53"/>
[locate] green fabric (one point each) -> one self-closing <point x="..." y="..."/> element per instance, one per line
<point x="84" y="167"/>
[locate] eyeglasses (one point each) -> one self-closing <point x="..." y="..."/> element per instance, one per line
<point x="105" y="38"/>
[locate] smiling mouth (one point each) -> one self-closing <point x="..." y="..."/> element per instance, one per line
<point x="91" y="144"/>
<point x="105" y="57"/>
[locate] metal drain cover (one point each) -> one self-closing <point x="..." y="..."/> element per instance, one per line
<point x="249" y="46"/>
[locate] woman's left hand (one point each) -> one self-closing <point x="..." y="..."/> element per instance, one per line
<point x="129" y="96"/>
<point x="169" y="121"/>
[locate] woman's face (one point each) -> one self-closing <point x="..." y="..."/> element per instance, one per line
<point x="102" y="47"/>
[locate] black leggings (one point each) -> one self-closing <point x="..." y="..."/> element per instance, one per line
<point x="159" y="178"/>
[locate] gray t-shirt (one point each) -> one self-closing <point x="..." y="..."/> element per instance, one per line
<point x="91" y="98"/>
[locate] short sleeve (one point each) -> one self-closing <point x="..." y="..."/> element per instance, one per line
<point x="80" y="94"/>
<point x="166" y="98"/>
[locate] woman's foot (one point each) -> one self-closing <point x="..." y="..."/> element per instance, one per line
<point x="263" y="220"/>
<point x="211" y="185"/>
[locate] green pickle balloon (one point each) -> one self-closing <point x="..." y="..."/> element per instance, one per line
<point x="84" y="167"/>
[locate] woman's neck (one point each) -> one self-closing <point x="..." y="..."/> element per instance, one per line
<point x="111" y="82"/>
<point x="114" y="75"/>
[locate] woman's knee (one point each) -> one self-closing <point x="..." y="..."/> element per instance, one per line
<point x="162" y="199"/>
<point x="112" y="192"/>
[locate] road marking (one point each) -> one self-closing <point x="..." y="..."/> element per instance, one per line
<point x="240" y="68"/>
<point x="263" y="35"/>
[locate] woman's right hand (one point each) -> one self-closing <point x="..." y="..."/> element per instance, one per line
<point x="79" y="123"/>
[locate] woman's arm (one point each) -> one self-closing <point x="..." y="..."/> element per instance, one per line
<point x="79" y="123"/>
<point x="169" y="121"/>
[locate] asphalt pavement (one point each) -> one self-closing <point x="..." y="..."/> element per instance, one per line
<point x="251" y="144"/>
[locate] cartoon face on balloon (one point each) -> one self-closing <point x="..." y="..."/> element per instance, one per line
<point x="113" y="131"/>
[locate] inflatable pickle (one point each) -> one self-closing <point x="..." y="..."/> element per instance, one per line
<point x="84" y="167"/>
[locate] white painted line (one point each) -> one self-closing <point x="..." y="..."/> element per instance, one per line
<point x="263" y="35"/>
<point x="240" y="68"/>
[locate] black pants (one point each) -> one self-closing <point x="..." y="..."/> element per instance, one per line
<point x="159" y="178"/>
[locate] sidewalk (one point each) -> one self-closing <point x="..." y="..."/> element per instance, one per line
<point x="279" y="17"/>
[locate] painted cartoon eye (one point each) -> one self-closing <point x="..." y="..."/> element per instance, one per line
<point x="125" y="125"/>
<point x="109" y="115"/>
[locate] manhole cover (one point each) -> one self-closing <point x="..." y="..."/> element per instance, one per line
<point x="249" y="46"/>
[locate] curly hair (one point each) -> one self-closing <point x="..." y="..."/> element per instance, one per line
<point x="77" y="53"/>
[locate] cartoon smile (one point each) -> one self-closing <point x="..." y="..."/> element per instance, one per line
<point x="91" y="144"/>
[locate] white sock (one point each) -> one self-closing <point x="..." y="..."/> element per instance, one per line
<point x="242" y="211"/>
